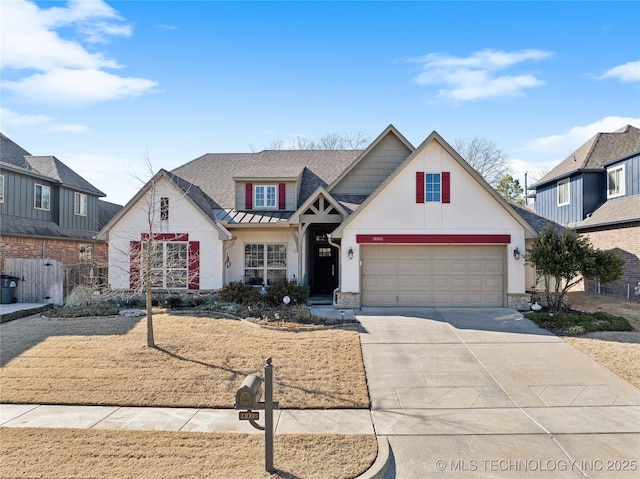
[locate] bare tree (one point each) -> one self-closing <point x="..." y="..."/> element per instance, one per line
<point x="154" y="264"/>
<point x="331" y="141"/>
<point x="484" y="156"/>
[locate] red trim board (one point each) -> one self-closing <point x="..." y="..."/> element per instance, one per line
<point x="433" y="239"/>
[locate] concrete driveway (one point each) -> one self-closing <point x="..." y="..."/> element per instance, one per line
<point x="486" y="393"/>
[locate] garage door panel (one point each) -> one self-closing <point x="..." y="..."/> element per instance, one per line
<point x="433" y="275"/>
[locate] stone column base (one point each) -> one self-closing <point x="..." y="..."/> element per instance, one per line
<point x="521" y="302"/>
<point x="347" y="300"/>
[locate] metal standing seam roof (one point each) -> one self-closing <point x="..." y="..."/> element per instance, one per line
<point x="595" y="153"/>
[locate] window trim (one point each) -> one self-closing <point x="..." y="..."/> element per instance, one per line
<point x="35" y="196"/>
<point x="82" y="210"/>
<point x="163" y="271"/>
<point x="265" y="268"/>
<point x="561" y="184"/>
<point x="431" y="194"/>
<point x="164" y="208"/>
<point x="1" y="188"/>
<point x="623" y="180"/>
<point x="265" y="205"/>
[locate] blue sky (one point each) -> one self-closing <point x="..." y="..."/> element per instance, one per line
<point x="104" y="85"/>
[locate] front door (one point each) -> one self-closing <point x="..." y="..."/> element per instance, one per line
<point x="325" y="268"/>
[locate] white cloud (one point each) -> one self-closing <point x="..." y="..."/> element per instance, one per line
<point x="116" y="176"/>
<point x="478" y="76"/>
<point x="563" y="144"/>
<point x="542" y="154"/>
<point x="31" y="42"/>
<point x="65" y="86"/>
<point x="628" y="72"/>
<point x="12" y="119"/>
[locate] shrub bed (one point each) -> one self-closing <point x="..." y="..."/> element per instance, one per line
<point x="574" y="323"/>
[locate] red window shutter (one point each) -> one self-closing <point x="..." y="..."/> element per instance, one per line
<point x="248" y="201"/>
<point x="282" y="196"/>
<point x="194" y="265"/>
<point x="446" y="187"/>
<point x="420" y="186"/>
<point x="135" y="253"/>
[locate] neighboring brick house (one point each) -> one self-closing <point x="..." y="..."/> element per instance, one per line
<point x="390" y="225"/>
<point x="596" y="191"/>
<point x="48" y="211"/>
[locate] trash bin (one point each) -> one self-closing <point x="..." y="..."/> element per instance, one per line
<point x="9" y="284"/>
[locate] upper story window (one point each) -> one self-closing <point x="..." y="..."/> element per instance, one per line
<point x="80" y="204"/>
<point x="265" y="196"/>
<point x="433" y="187"/>
<point x="1" y="188"/>
<point x="42" y="197"/>
<point x="164" y="208"/>
<point x="564" y="192"/>
<point x="615" y="181"/>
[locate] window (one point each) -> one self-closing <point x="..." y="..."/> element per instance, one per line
<point x="169" y="263"/>
<point x="433" y="185"/>
<point x="265" y="196"/>
<point x="265" y="261"/>
<point x="42" y="197"/>
<point x="86" y="252"/>
<point x="80" y="204"/>
<point x="615" y="181"/>
<point x="564" y="196"/>
<point x="1" y="188"/>
<point x="164" y="209"/>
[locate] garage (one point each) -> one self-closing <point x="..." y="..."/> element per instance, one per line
<point x="433" y="275"/>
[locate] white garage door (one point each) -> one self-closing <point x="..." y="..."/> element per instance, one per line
<point x="418" y="275"/>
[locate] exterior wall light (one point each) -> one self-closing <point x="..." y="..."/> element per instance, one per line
<point x="350" y="253"/>
<point x="516" y="254"/>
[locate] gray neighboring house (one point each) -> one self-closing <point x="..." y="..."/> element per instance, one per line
<point x="48" y="211"/>
<point x="596" y="191"/>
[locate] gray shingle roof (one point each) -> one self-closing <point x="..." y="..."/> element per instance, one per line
<point x="106" y="211"/>
<point x="599" y="150"/>
<point x="537" y="222"/>
<point x="618" y="210"/>
<point x="48" y="167"/>
<point x="214" y="173"/>
<point x="18" y="226"/>
<point x="53" y="168"/>
<point x="13" y="154"/>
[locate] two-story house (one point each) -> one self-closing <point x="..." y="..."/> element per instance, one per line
<point x="596" y="191"/>
<point x="48" y="211"/>
<point x="391" y="225"/>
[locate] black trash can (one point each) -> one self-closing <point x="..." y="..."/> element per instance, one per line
<point x="9" y="284"/>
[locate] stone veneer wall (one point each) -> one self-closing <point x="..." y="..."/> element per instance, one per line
<point x="521" y="302"/>
<point x="348" y="300"/>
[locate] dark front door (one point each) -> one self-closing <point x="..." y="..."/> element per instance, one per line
<point x="325" y="268"/>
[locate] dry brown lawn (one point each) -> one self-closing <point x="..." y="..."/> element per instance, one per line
<point x="617" y="351"/>
<point x="198" y="362"/>
<point x="84" y="454"/>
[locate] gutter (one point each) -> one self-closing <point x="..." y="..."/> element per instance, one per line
<point x="335" y="291"/>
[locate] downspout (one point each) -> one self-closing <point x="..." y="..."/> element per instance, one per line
<point x="335" y="291"/>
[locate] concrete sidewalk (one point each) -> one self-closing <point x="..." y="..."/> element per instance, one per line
<point x="486" y="393"/>
<point x="288" y="421"/>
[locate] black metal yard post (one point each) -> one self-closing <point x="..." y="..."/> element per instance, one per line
<point x="268" y="415"/>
